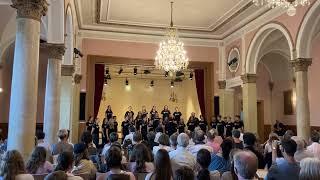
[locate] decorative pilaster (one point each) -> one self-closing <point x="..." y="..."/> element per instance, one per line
<point x="300" y="66"/>
<point x="249" y="94"/>
<point x="226" y="99"/>
<point x="222" y="84"/>
<point x="24" y="91"/>
<point x="53" y="88"/>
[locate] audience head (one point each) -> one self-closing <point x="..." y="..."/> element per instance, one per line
<point x="80" y="152"/>
<point x="159" y="129"/>
<point x="113" y="158"/>
<point x="273" y="137"/>
<point x="288" y="134"/>
<point x="162" y="163"/>
<point x="12" y="165"/>
<point x="211" y="135"/>
<point x="315" y="137"/>
<point x="40" y="135"/>
<point x="65" y="161"/>
<point x="204" y="160"/>
<point x="137" y="137"/>
<point x="289" y="147"/>
<point x="140" y="155"/>
<point x="199" y="137"/>
<point x="174" y="140"/>
<point x="183" y="140"/>
<point x="63" y="134"/>
<point x="113" y="137"/>
<point x="184" y="173"/>
<point x="56" y="175"/>
<point x="236" y="133"/>
<point x="189" y="133"/>
<point x="37" y="159"/>
<point x="300" y="143"/>
<point x="132" y="129"/>
<point x="245" y="164"/>
<point x="164" y="140"/>
<point x="226" y="148"/>
<point x="86" y="137"/>
<point x="309" y="169"/>
<point x="249" y="139"/>
<point x="151" y="136"/>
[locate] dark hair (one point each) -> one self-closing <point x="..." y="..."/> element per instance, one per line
<point x="140" y="155"/>
<point x="80" y="153"/>
<point x="199" y="136"/>
<point x="56" y="175"/>
<point x="12" y="165"/>
<point x="86" y="137"/>
<point x="236" y="133"/>
<point x="37" y="159"/>
<point x="113" y="157"/>
<point x="164" y="140"/>
<point x="315" y="136"/>
<point x="151" y="136"/>
<point x="173" y="139"/>
<point x="184" y="173"/>
<point x="289" y="146"/>
<point x="249" y="139"/>
<point x="288" y="134"/>
<point x="204" y="160"/>
<point x="65" y="160"/>
<point x="113" y="137"/>
<point x="159" y="129"/>
<point x="132" y="129"/>
<point x="226" y="147"/>
<point x="162" y="163"/>
<point x="40" y="135"/>
<point x="137" y="137"/>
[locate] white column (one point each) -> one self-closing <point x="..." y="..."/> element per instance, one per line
<point x="302" y="104"/>
<point x="53" y="86"/>
<point x="226" y="100"/>
<point x="23" y="104"/>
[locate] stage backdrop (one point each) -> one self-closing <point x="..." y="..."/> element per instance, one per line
<point x="139" y="93"/>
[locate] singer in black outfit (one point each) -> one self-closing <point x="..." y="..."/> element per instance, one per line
<point x="177" y="115"/>
<point x="165" y="112"/>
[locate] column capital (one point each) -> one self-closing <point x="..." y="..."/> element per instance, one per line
<point x="249" y="78"/>
<point x="32" y="9"/>
<point x="55" y="51"/>
<point x="77" y="78"/>
<point x="222" y="84"/>
<point x="67" y="70"/>
<point x="301" y="64"/>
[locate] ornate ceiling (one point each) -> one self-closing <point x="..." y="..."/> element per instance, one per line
<point x="202" y="19"/>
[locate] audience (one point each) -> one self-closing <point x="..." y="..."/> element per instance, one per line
<point x="113" y="140"/>
<point x="140" y="160"/>
<point x="184" y="173"/>
<point x="63" y="145"/>
<point x="245" y="165"/>
<point x="86" y="138"/>
<point x="151" y="136"/>
<point x="199" y="143"/>
<point x="249" y="140"/>
<point x="13" y="167"/>
<point x="310" y="169"/>
<point x="159" y="131"/>
<point x="65" y="164"/>
<point x="315" y="146"/>
<point x="163" y="170"/>
<point x="132" y="129"/>
<point x="181" y="156"/>
<point x="57" y="175"/>
<point x="41" y="142"/>
<point x="163" y="144"/>
<point x="37" y="163"/>
<point x="301" y="152"/>
<point x="286" y="167"/>
<point x="204" y="160"/>
<point x="173" y="141"/>
<point x="237" y="143"/>
<point x="82" y="164"/>
<point x="231" y="175"/>
<point x="268" y="148"/>
<point x="221" y="161"/>
<point x="211" y="134"/>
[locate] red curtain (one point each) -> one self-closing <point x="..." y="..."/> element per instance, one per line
<point x="199" y="77"/>
<point x="99" y="80"/>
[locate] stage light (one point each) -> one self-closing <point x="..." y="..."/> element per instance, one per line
<point x="135" y="71"/>
<point x="172" y="84"/>
<point x="166" y="74"/>
<point x="107" y="71"/>
<point x="152" y="83"/>
<point x="1" y="90"/>
<point x="120" y="71"/>
<point x="191" y="76"/>
<point x="127" y="82"/>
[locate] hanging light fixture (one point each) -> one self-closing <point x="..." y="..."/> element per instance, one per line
<point x="290" y="5"/>
<point x="171" y="55"/>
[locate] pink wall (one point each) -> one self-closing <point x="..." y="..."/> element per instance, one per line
<point x="263" y="92"/>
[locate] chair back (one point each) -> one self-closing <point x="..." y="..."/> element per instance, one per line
<point x="101" y="176"/>
<point x="140" y="176"/>
<point x="118" y="177"/>
<point x="39" y="176"/>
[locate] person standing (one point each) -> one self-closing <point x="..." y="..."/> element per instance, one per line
<point x="153" y="113"/>
<point x="105" y="127"/>
<point x="279" y="128"/>
<point x="109" y="112"/>
<point x="125" y="126"/>
<point x="171" y="127"/>
<point x="144" y="128"/>
<point x="220" y="126"/>
<point x="177" y="115"/>
<point x="203" y="124"/>
<point x="238" y="124"/>
<point x="156" y="121"/>
<point x="181" y="126"/>
<point x="144" y="112"/>
<point x="165" y="112"/>
<point x="130" y="112"/>
<point x="138" y="121"/>
<point x="192" y="122"/>
<point x="214" y="122"/>
<point x="89" y="124"/>
<point x="95" y="132"/>
<point x="229" y="127"/>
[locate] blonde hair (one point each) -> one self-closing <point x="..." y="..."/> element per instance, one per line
<point x="309" y="169"/>
<point x="62" y="133"/>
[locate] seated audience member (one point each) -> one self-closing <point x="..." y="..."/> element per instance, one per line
<point x="151" y="136"/>
<point x="63" y="145"/>
<point x="41" y="142"/>
<point x="140" y="160"/>
<point x="268" y="148"/>
<point x="217" y="139"/>
<point x="163" y="168"/>
<point x="310" y="169"/>
<point x="287" y="167"/>
<point x="159" y="131"/>
<point x="37" y="163"/>
<point x="65" y="164"/>
<point x="237" y="143"/>
<point x="113" y="162"/>
<point x="210" y="141"/>
<point x="113" y="137"/>
<point x="230" y="175"/>
<point x="12" y="167"/>
<point x="163" y="144"/>
<point x="132" y="129"/>
<point x="82" y="164"/>
<point x="301" y="152"/>
<point x="315" y="146"/>
<point x="199" y="143"/>
<point x="245" y="165"/>
<point x="86" y="138"/>
<point x="288" y="134"/>
<point x="190" y="134"/>
<point x="249" y="140"/>
<point x="181" y="156"/>
<point x="173" y="141"/>
<point x="204" y="160"/>
<point x="184" y="173"/>
<point x="137" y="138"/>
<point x="57" y="175"/>
<point x="220" y="161"/>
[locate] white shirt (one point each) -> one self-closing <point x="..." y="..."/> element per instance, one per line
<point x="105" y="149"/>
<point x="42" y="143"/>
<point x="194" y="149"/>
<point x="182" y="157"/>
<point x="156" y="149"/>
<point x="315" y="149"/>
<point x="129" y="136"/>
<point x="156" y="139"/>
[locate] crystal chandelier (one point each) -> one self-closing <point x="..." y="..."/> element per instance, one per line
<point x="290" y="5"/>
<point x="171" y="55"/>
